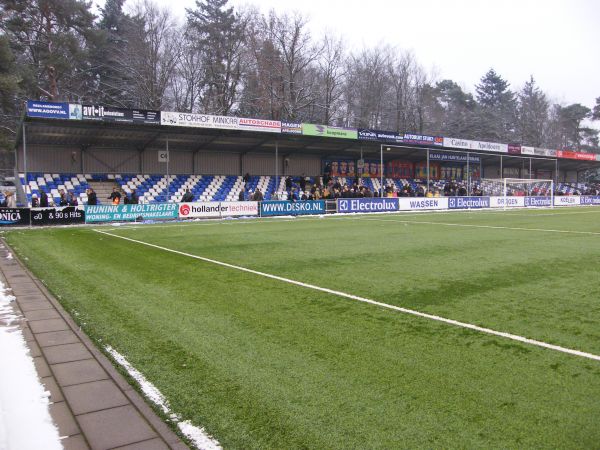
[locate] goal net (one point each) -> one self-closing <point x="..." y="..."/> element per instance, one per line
<point x="519" y="187"/>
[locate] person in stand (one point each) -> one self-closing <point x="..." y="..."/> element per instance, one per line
<point x="303" y="183"/>
<point x="246" y="178"/>
<point x="115" y="196"/>
<point x="241" y="196"/>
<point x="134" y="199"/>
<point x="125" y="198"/>
<point x="35" y="203"/>
<point x="92" y="198"/>
<point x="258" y="196"/>
<point x="288" y="184"/>
<point x="73" y="200"/>
<point x="187" y="197"/>
<point x="43" y="199"/>
<point x="64" y="200"/>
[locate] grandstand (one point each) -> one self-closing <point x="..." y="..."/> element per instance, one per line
<point x="75" y="156"/>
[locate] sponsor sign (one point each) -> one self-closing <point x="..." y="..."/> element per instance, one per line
<point x="421" y="203"/>
<point x="421" y="139"/>
<point x="355" y="205"/>
<point x="514" y="149"/>
<point x="121" y="115"/>
<point x="598" y="157"/>
<point x="310" y="129"/>
<point x="567" y="200"/>
<point x="468" y="202"/>
<point x="146" y="116"/>
<point x="475" y="145"/>
<point x="390" y="137"/>
<point x="590" y="200"/>
<point x="544" y="152"/>
<point x="453" y="157"/>
<point x="284" y="208"/>
<point x="217" y="209"/>
<point x="527" y="150"/>
<point x="509" y="202"/>
<point x="51" y="110"/>
<point x="14" y="216"/>
<point x="576" y="155"/>
<point x="178" y="119"/>
<point x="291" y="128"/>
<point x="108" y="213"/>
<point x="57" y="216"/>
<point x="269" y="126"/>
<point x="538" y="201"/>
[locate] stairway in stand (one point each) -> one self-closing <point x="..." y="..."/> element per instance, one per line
<point x="103" y="190"/>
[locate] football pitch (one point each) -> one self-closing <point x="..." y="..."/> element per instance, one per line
<point x="430" y="330"/>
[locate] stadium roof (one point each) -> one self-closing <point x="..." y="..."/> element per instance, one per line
<point x="98" y="134"/>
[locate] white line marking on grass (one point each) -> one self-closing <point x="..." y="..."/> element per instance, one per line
<point x="413" y="312"/>
<point x="470" y="225"/>
<point x="197" y="435"/>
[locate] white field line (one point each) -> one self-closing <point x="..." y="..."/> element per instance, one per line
<point x="197" y="435"/>
<point x="413" y="312"/>
<point x="493" y="227"/>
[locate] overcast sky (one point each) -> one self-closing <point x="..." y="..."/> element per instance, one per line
<point x="556" y="41"/>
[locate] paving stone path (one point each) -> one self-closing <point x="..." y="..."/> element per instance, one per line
<point x="92" y="404"/>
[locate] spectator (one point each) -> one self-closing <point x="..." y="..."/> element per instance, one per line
<point x="187" y="197"/>
<point x="115" y="196"/>
<point x="134" y="199"/>
<point x="288" y="184"/>
<point x="241" y="196"/>
<point x="258" y="196"/>
<point x="64" y="200"/>
<point x="124" y="198"/>
<point x="91" y="197"/>
<point x="73" y="200"/>
<point x="35" y="203"/>
<point x="293" y="196"/>
<point x="303" y="183"/>
<point x="43" y="199"/>
<point x="246" y="178"/>
<point x="11" y="201"/>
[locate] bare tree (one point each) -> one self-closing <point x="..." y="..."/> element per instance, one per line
<point x="150" y="54"/>
<point x="331" y="75"/>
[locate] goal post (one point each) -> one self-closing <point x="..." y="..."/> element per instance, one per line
<point x="515" y="187"/>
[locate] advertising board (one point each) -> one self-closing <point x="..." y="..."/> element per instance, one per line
<point x="284" y="208"/>
<point x="362" y="205"/>
<point x="108" y="213"/>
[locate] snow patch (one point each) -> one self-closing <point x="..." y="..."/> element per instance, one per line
<point x="9" y="256"/>
<point x="196" y="434"/>
<point x="25" y="421"/>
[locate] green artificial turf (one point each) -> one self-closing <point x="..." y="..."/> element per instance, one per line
<point x="261" y="363"/>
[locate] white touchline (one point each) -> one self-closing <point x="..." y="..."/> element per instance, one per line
<point x="470" y="225"/>
<point x="413" y="312"/>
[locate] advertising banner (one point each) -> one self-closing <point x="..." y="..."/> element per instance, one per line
<point x="310" y="129"/>
<point x="527" y="150"/>
<point x="108" y="213"/>
<point x="590" y="200"/>
<point x="475" y="145"/>
<point x="217" y="209"/>
<point x="269" y="126"/>
<point x="50" y="110"/>
<point x="14" y="216"/>
<point x="291" y="128"/>
<point x="567" y="200"/>
<point x="453" y="157"/>
<point x="420" y="203"/>
<point x="421" y="139"/>
<point x="514" y="149"/>
<point x="510" y="202"/>
<point x="146" y="116"/>
<point x="120" y="115"/>
<point x="283" y="208"/>
<point x="178" y="119"/>
<point x="355" y="205"/>
<point x="538" y="202"/>
<point x="544" y="152"/>
<point x="389" y="137"/>
<point x="468" y="202"/>
<point x="58" y="216"/>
